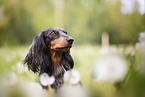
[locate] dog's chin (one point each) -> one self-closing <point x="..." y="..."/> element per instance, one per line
<point x="63" y="49"/>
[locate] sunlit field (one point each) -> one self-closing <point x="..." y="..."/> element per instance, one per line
<point x="85" y="58"/>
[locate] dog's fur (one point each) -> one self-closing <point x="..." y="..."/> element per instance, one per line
<point x="49" y="53"/>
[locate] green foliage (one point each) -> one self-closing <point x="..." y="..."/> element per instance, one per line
<point x="86" y="20"/>
<point x="15" y="25"/>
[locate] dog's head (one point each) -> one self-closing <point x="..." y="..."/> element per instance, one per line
<point x="51" y="39"/>
<point x="58" y="40"/>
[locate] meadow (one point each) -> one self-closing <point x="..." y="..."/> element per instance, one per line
<point x="117" y="70"/>
<point x="84" y="57"/>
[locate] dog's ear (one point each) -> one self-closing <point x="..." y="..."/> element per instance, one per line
<point x="67" y="60"/>
<point x="38" y="56"/>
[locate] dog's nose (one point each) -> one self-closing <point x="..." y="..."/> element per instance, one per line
<point x="70" y="40"/>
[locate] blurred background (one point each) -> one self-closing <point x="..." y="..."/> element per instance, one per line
<point x="86" y="20"/>
<point x="105" y="32"/>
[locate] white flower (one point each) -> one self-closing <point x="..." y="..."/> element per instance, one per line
<point x="72" y="76"/>
<point x="127" y="6"/>
<point x="67" y="75"/>
<point x="75" y="77"/>
<point x="129" y="50"/>
<point x="141" y="43"/>
<point x="46" y="80"/>
<point x="9" y="79"/>
<point x="142" y="37"/>
<point x="71" y="91"/>
<point x="110" y="68"/>
<point x="137" y="45"/>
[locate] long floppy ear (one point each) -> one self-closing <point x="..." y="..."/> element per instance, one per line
<point x="38" y="56"/>
<point x="67" y="60"/>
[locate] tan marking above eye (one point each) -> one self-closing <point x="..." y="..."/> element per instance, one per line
<point x="62" y="29"/>
<point x="55" y="30"/>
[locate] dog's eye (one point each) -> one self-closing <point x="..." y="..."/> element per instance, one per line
<point x="52" y="33"/>
<point x="65" y="32"/>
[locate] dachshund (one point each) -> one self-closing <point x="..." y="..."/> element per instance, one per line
<point x="50" y="53"/>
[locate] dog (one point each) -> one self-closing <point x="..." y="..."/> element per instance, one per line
<point x="50" y="53"/>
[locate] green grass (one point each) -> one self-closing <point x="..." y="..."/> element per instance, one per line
<point x="84" y="58"/>
<point x="9" y="56"/>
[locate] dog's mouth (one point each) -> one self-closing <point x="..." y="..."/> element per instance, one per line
<point x="59" y="48"/>
<point x="63" y="49"/>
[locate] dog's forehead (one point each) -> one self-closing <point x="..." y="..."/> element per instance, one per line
<point x="56" y="29"/>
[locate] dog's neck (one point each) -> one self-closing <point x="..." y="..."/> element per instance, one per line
<point x="56" y="58"/>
